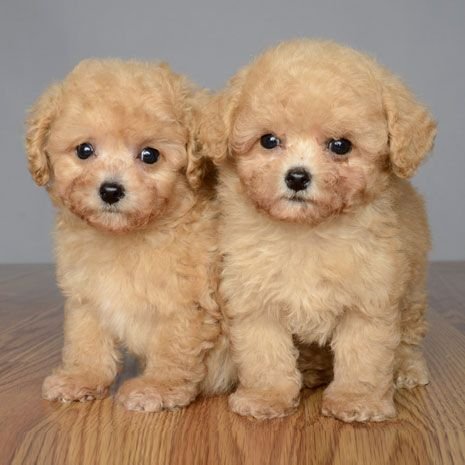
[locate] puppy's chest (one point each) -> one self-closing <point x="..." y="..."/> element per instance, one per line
<point x="309" y="280"/>
<point x="291" y="266"/>
<point x="128" y="282"/>
<point x="130" y="285"/>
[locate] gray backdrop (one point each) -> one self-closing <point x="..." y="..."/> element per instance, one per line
<point x="40" y="41"/>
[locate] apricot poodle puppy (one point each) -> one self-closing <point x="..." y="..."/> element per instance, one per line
<point x="324" y="240"/>
<point x="135" y="232"/>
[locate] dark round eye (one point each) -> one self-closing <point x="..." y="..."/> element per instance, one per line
<point x="340" y="146"/>
<point x="149" y="155"/>
<point x="84" y="150"/>
<point x="269" y="141"/>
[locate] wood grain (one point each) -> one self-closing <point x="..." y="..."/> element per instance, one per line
<point x="430" y="427"/>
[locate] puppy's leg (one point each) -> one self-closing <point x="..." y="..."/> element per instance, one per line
<point x="90" y="358"/>
<point x="269" y="382"/>
<point x="221" y="370"/>
<point x="410" y="364"/>
<point x="362" y="389"/>
<point x="175" y="363"/>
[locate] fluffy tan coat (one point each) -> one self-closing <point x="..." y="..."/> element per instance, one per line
<point x="341" y="262"/>
<point x="139" y="273"/>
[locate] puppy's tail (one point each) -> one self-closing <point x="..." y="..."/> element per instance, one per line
<point x="221" y="370"/>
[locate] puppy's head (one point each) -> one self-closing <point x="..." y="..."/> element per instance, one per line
<point x="314" y="129"/>
<point x="113" y="142"/>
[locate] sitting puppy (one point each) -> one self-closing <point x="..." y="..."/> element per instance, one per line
<point x="324" y="241"/>
<point x="135" y="235"/>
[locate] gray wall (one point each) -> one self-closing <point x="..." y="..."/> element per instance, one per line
<point x="40" y="41"/>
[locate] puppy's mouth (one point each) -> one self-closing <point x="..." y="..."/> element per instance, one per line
<point x="296" y="199"/>
<point x="111" y="209"/>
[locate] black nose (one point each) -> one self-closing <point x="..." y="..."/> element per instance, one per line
<point x="298" y="179"/>
<point x="111" y="192"/>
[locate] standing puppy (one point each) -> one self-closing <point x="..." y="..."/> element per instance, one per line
<point x="323" y="238"/>
<point x="135" y="235"/>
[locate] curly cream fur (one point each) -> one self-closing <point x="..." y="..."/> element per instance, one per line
<point x="343" y="265"/>
<point x="140" y="274"/>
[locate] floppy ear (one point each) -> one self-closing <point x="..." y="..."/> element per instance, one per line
<point x="217" y="118"/>
<point x="197" y="163"/>
<point x="38" y="125"/>
<point x="411" y="128"/>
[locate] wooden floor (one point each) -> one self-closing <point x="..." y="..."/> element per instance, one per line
<point x="430" y="428"/>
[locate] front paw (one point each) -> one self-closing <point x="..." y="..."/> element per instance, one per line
<point x="69" y="387"/>
<point x="351" y="407"/>
<point x="148" y="395"/>
<point x="263" y="404"/>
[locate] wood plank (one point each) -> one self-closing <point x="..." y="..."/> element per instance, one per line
<point x="430" y="427"/>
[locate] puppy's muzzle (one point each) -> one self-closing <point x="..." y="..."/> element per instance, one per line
<point x="298" y="179"/>
<point x="111" y="192"/>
